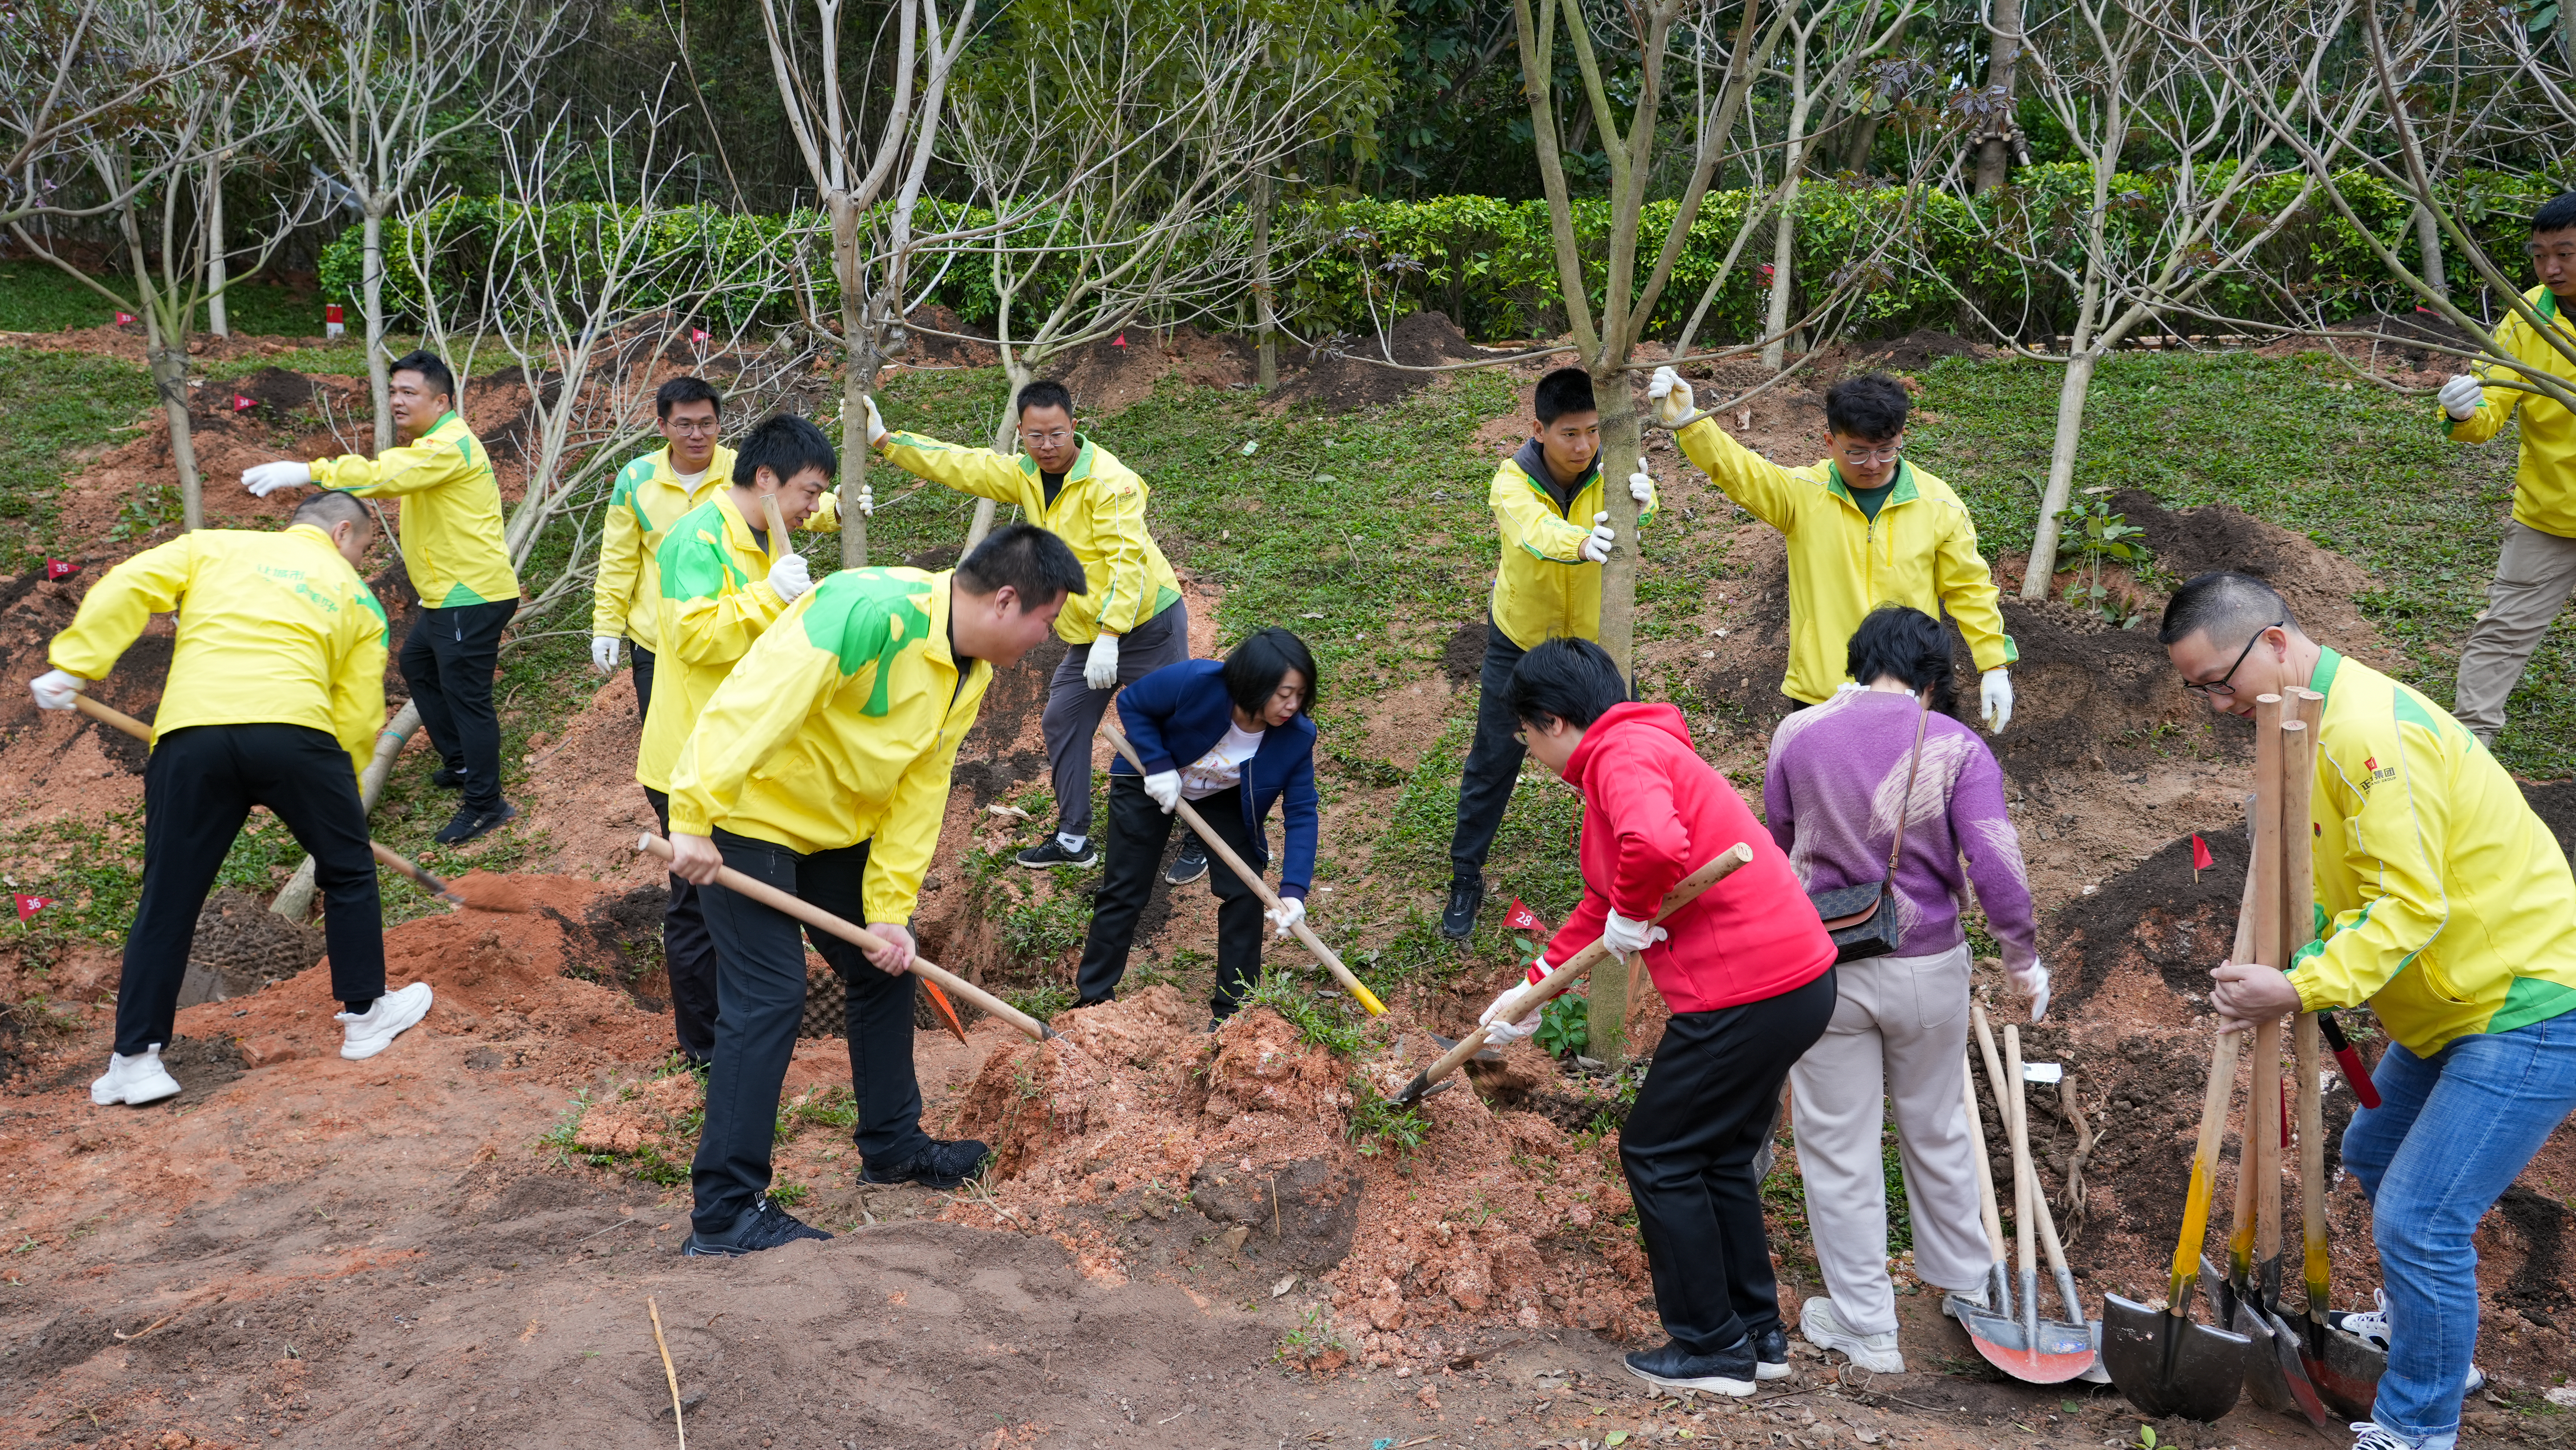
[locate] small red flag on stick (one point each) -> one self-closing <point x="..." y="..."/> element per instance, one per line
<point x="29" y="905"/>
<point x="2201" y="860"/>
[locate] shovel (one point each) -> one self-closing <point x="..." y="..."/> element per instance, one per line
<point x="2343" y="1370"/>
<point x="2280" y="1381"/>
<point x="2041" y="1352"/>
<point x="2164" y="1362"/>
<point x="1982" y="1328"/>
<point x="1536" y="994"/>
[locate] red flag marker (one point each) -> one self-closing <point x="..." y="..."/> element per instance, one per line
<point x="332" y="323"/>
<point x="2201" y="860"/>
<point x="1119" y="341"/>
<point x="242" y="404"/>
<point x="1523" y="919"/>
<point x="57" y="570"/>
<point x="125" y="319"/>
<point x="29" y="905"/>
<point x="697" y="334"/>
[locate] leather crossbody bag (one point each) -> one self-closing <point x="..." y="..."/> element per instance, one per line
<point x="1863" y="919"/>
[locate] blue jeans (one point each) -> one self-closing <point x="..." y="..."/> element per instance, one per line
<point x="2451" y="1133"/>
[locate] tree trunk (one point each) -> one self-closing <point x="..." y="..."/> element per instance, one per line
<point x="169" y="360"/>
<point x="2428" y="242"/>
<point x="1265" y="345"/>
<point x="1019" y="372"/>
<point x="2071" y="395"/>
<point x="372" y="270"/>
<point x="295" y="900"/>
<point x="1784" y="237"/>
<point x="857" y="372"/>
<point x="1621" y="446"/>
<point x="1994" y="152"/>
<point x="216" y="320"/>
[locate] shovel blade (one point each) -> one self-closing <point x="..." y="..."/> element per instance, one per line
<point x="2264" y="1382"/>
<point x="2168" y="1365"/>
<point x="2346" y="1376"/>
<point x="1483" y="1054"/>
<point x="2294" y="1372"/>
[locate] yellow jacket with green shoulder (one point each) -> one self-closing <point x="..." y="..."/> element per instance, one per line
<point x="1099" y="512"/>
<point x="713" y="576"/>
<point x="451" y="512"/>
<point x="840" y="726"/>
<point x="648" y="497"/>
<point x="2443" y="900"/>
<point x="1920" y="551"/>
<point x="273" y="629"/>
<point x="1543" y="586"/>
<point x="2544" y="484"/>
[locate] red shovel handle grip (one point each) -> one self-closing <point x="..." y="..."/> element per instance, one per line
<point x="2355" y="1075"/>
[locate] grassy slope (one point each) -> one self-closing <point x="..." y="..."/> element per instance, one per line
<point x="38" y="297"/>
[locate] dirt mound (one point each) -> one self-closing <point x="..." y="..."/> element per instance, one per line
<point x="1345" y="379"/>
<point x="582" y="794"/>
<point x="2319" y="583"/>
<point x="1109" y="373"/>
<point x="2156" y="920"/>
<point x="1919" y="348"/>
<point x="247" y="946"/>
<point x="941" y="338"/>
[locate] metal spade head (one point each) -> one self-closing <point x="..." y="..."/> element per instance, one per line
<point x="2344" y="1370"/>
<point x="2169" y="1365"/>
<point x="2294" y="1373"/>
<point x="2263" y="1379"/>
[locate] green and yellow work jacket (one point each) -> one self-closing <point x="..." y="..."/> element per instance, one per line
<point x="451" y="512"/>
<point x="713" y="574"/>
<point x="648" y="497"/>
<point x="1543" y="587"/>
<point x="2544" y="484"/>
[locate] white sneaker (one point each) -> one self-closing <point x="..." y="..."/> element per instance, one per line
<point x="1873" y="1352"/>
<point x="375" y="1029"/>
<point x="134" y="1080"/>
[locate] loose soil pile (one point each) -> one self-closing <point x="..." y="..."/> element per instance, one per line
<point x="1355" y="375"/>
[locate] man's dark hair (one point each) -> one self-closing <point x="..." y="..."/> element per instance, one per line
<point x="685" y="390"/>
<point x="1573" y="680"/>
<point x="1871" y="407"/>
<point x="1044" y="393"/>
<point x="432" y="371"/>
<point x="2229" y="607"/>
<point x="1908" y="644"/>
<point x="1256" y="666"/>
<point x="329" y="508"/>
<point x="786" y="445"/>
<point x="1036" y="564"/>
<point x="1567" y="390"/>
<point x="2558" y="214"/>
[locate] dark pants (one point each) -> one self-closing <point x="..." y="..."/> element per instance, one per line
<point x="198" y="788"/>
<point x="688" y="956"/>
<point x="447" y="660"/>
<point x="1493" y="761"/>
<point x="643" y="663"/>
<point x="1702" y="1116"/>
<point x="760" y="989"/>
<point x="1138" y="831"/>
<point x="1073" y="709"/>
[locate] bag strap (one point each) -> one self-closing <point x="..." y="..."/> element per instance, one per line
<point x="1921" y="719"/>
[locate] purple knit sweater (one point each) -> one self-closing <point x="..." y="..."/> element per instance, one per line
<point x="1830" y="796"/>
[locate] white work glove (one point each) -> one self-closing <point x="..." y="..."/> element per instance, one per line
<point x="1996" y="693"/>
<point x="603" y="653"/>
<point x="1596" y="549"/>
<point x="1163" y="787"/>
<point x="263" y="479"/>
<point x="2460" y="397"/>
<point x="1100" y="669"/>
<point x="876" y="425"/>
<point x="1499" y="1033"/>
<point x="1641" y="485"/>
<point x="1623" y="936"/>
<point x="790" y="577"/>
<point x="54" y="689"/>
<point x="2032" y="982"/>
<point x="867" y="500"/>
<point x="1292" y="910"/>
<point x="1671" y="397"/>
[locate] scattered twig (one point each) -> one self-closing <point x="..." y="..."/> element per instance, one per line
<point x="668" y="1373"/>
<point x="148" y="1328"/>
<point x="1174" y="1415"/>
<point x="612" y="1228"/>
<point x="2082" y="1155"/>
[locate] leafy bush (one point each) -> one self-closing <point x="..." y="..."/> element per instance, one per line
<point x="1379" y="1124"/>
<point x="1319" y="1019"/>
<point x="1565" y="1027"/>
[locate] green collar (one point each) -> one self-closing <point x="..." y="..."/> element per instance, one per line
<point x="1902" y="490"/>
<point x="1081" y="465"/>
<point x="2323" y="678"/>
<point x="2548" y="308"/>
<point x="443" y="420"/>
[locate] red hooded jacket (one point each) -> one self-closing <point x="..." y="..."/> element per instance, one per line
<point x="1654" y="812"/>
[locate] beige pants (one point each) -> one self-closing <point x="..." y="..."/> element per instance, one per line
<point x="2534" y="574"/>
<point x="1899" y="1032"/>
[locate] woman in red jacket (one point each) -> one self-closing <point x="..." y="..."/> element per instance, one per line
<point x="1748" y="971"/>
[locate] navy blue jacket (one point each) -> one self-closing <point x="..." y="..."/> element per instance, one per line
<point x="1180" y="712"/>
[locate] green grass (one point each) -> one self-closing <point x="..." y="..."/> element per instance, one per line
<point x="58" y="411"/>
<point x="1322" y="1018"/>
<point x="38" y="296"/>
<point x="1379" y="1125"/>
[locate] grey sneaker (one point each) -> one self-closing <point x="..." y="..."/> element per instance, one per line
<point x="1050" y="853"/>
<point x="1190" y="865"/>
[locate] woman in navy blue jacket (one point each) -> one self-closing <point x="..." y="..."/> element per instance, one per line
<point x="1232" y="738"/>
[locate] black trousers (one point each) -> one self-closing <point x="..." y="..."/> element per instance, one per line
<point x="643" y="659"/>
<point x="447" y="661"/>
<point x="1073" y="709"/>
<point x="1703" y="1114"/>
<point x="760" y="989"/>
<point x="1493" y="761"/>
<point x="688" y="954"/>
<point x="1138" y="831"/>
<point x="198" y="788"/>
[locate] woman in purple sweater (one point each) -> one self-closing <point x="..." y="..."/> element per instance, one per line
<point x="1900" y="1027"/>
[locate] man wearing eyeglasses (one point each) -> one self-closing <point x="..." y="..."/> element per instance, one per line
<point x="2536" y="569"/>
<point x="1131" y="622"/>
<point x="2445" y="903"/>
<point x="1865" y="528"/>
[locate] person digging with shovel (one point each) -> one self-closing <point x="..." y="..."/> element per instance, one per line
<point x="820" y="767"/>
<point x="2443" y="902"/>
<point x="1748" y="971"/>
<point x="275" y="694"/>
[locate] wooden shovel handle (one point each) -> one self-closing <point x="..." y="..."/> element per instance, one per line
<point x="816" y="917"/>
<point x="778" y="542"/>
<point x="1269" y="899"/>
<point x="108" y="715"/>
<point x="418" y="875"/>
<point x="2213" y="1127"/>
<point x="1993" y="1217"/>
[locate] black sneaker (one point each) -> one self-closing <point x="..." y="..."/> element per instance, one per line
<point x="446" y="779"/>
<point x="1050" y="853"/>
<point x="1729" y="1372"/>
<point x="1466" y="898"/>
<point x="469" y="823"/>
<point x="941" y="1165"/>
<point x="764" y="1225"/>
<point x="1771" y="1354"/>
<point x="1190" y="865"/>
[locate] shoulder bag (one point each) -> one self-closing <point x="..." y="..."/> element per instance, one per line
<point x="1862" y="919"/>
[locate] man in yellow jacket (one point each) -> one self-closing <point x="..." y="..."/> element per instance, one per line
<point x="2536" y="569"/>
<point x="821" y="766"/>
<point x="452" y="549"/>
<point x="1556" y="532"/>
<point x="2446" y="905"/>
<point x="717" y="590"/>
<point x="1130" y="624"/>
<point x="649" y="494"/>
<point x="275" y="694"/>
<point x="1864" y="527"/>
